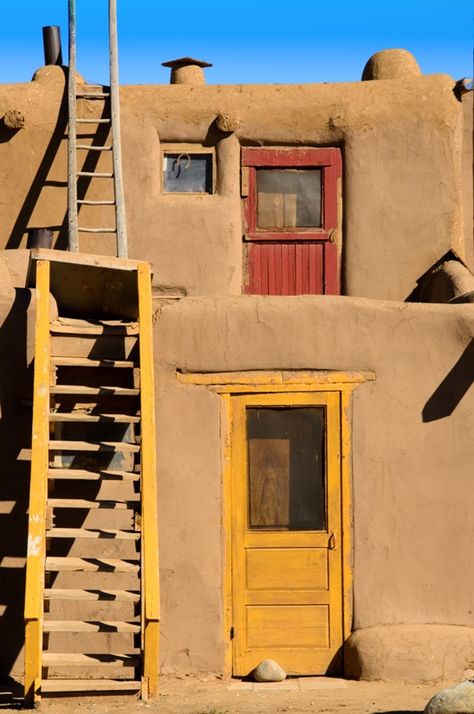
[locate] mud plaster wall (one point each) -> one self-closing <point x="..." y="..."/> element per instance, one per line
<point x="468" y="173"/>
<point x="401" y="141"/>
<point x="412" y="457"/>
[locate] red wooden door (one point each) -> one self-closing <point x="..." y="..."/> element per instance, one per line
<point x="291" y="214"/>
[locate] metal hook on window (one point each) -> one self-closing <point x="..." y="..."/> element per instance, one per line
<point x="177" y="164"/>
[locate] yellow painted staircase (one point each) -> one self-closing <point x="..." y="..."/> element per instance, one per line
<point x="92" y="594"/>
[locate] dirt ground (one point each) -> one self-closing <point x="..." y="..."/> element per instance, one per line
<point x="207" y="695"/>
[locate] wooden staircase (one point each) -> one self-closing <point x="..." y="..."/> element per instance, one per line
<point x="92" y="600"/>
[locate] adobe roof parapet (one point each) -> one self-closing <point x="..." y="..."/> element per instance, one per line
<point x="391" y="64"/>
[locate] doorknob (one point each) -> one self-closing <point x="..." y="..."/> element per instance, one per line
<point x="332" y="541"/>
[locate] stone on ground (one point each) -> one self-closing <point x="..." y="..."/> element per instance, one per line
<point x="269" y="671"/>
<point x="453" y="700"/>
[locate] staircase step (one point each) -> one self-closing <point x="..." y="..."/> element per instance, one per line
<point x="84" y="475"/>
<point x="57" y="564"/>
<point x="85" y="362"/>
<point x="90" y="202"/>
<point x="94" y="391"/>
<point x="89" y="685"/>
<point x="106" y="533"/>
<point x="92" y="95"/>
<point x="97" y="594"/>
<point x="63" y="659"/>
<point x="95" y="174"/>
<point x="79" y="416"/>
<point x="100" y="120"/>
<point x="90" y="147"/>
<point x="73" y="326"/>
<point x="96" y="230"/>
<point x="97" y="503"/>
<point x="59" y="445"/>
<point x="89" y="626"/>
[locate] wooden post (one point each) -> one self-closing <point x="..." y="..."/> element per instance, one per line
<point x="38" y="492"/>
<point x="150" y="561"/>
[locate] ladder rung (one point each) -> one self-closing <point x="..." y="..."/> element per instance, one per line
<point x="88" y="660"/>
<point x="89" y="626"/>
<point x="93" y="121"/>
<point x="94" y="391"/>
<point x="92" y="594"/>
<point x="84" y="475"/>
<point x="61" y="361"/>
<point x="61" y="445"/>
<point x="96" y="418"/>
<point x="89" y="685"/>
<point x="87" y="202"/>
<point x="91" y="565"/>
<point x="94" y="174"/>
<point x="88" y="147"/>
<point x="106" y="533"/>
<point x="96" y="230"/>
<point x="92" y="95"/>
<point x="84" y="503"/>
<point x="88" y="327"/>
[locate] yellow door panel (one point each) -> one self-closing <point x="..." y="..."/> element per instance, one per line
<point x="287" y="569"/>
<point x="294" y="626"/>
<point x="286" y="531"/>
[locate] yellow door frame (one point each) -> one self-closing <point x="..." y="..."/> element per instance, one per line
<point x="230" y="384"/>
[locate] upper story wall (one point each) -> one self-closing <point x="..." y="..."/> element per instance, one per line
<point x="401" y="143"/>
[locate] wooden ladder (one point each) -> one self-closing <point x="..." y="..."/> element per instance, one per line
<point x="108" y="96"/>
<point x="92" y="599"/>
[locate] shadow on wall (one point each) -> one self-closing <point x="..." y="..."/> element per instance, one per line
<point x="15" y="437"/>
<point x="452" y="389"/>
<point x="98" y="138"/>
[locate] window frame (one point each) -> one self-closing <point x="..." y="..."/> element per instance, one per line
<point x="327" y="159"/>
<point x="191" y="149"/>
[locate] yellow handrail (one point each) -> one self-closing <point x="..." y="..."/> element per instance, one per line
<point x="38" y="491"/>
<point x="150" y="562"/>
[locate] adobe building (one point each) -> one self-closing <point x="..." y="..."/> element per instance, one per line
<point x="313" y="322"/>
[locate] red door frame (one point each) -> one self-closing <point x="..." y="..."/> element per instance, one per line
<point x="330" y="163"/>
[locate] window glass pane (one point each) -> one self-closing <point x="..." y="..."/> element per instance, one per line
<point x="286" y="468"/>
<point x="289" y="198"/>
<point x="187" y="173"/>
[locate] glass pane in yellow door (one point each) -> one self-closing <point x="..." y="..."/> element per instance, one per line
<point x="286" y="468"/>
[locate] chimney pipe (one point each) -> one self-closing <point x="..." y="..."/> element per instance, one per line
<point x="52" y="45"/>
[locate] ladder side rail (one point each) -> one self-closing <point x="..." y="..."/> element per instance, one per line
<point x="36" y="550"/>
<point x="73" y="239"/>
<point x="120" y="220"/>
<point x="150" y="558"/>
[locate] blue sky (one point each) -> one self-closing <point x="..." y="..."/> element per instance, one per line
<point x="247" y="41"/>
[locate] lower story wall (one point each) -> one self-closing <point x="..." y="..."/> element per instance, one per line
<point x="411" y="463"/>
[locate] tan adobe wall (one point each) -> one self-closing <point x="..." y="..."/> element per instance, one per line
<point x="401" y="142"/>
<point x="412" y="459"/>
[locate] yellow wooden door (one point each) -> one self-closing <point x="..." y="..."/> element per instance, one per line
<point x="286" y="532"/>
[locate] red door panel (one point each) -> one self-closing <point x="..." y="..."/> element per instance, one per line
<point x="285" y="269"/>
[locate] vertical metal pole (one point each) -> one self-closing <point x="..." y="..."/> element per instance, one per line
<point x="71" y="164"/>
<point x="121" y="226"/>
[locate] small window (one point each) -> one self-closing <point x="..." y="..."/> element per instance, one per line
<point x="187" y="172"/>
<point x="288" y="198"/>
<point x="286" y="468"/>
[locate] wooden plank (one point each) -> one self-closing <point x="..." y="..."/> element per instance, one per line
<point x="98" y="261"/>
<point x="56" y="564"/>
<point x="108" y="626"/>
<point x="38" y="490"/>
<point x="150" y="560"/>
<point x="64" y="659"/>
<point x="79" y="389"/>
<point x="98" y="594"/>
<point x="60" y="445"/>
<point x="269" y="473"/>
<point x="85" y="327"/>
<point x="89" y="685"/>
<point x="85" y="362"/>
<point x="84" y="475"/>
<point x="79" y="416"/>
<point x="105" y="533"/>
<point x="263" y="379"/>
<point x="117" y="504"/>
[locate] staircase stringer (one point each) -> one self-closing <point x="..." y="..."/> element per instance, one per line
<point x="150" y="559"/>
<point x="36" y="550"/>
